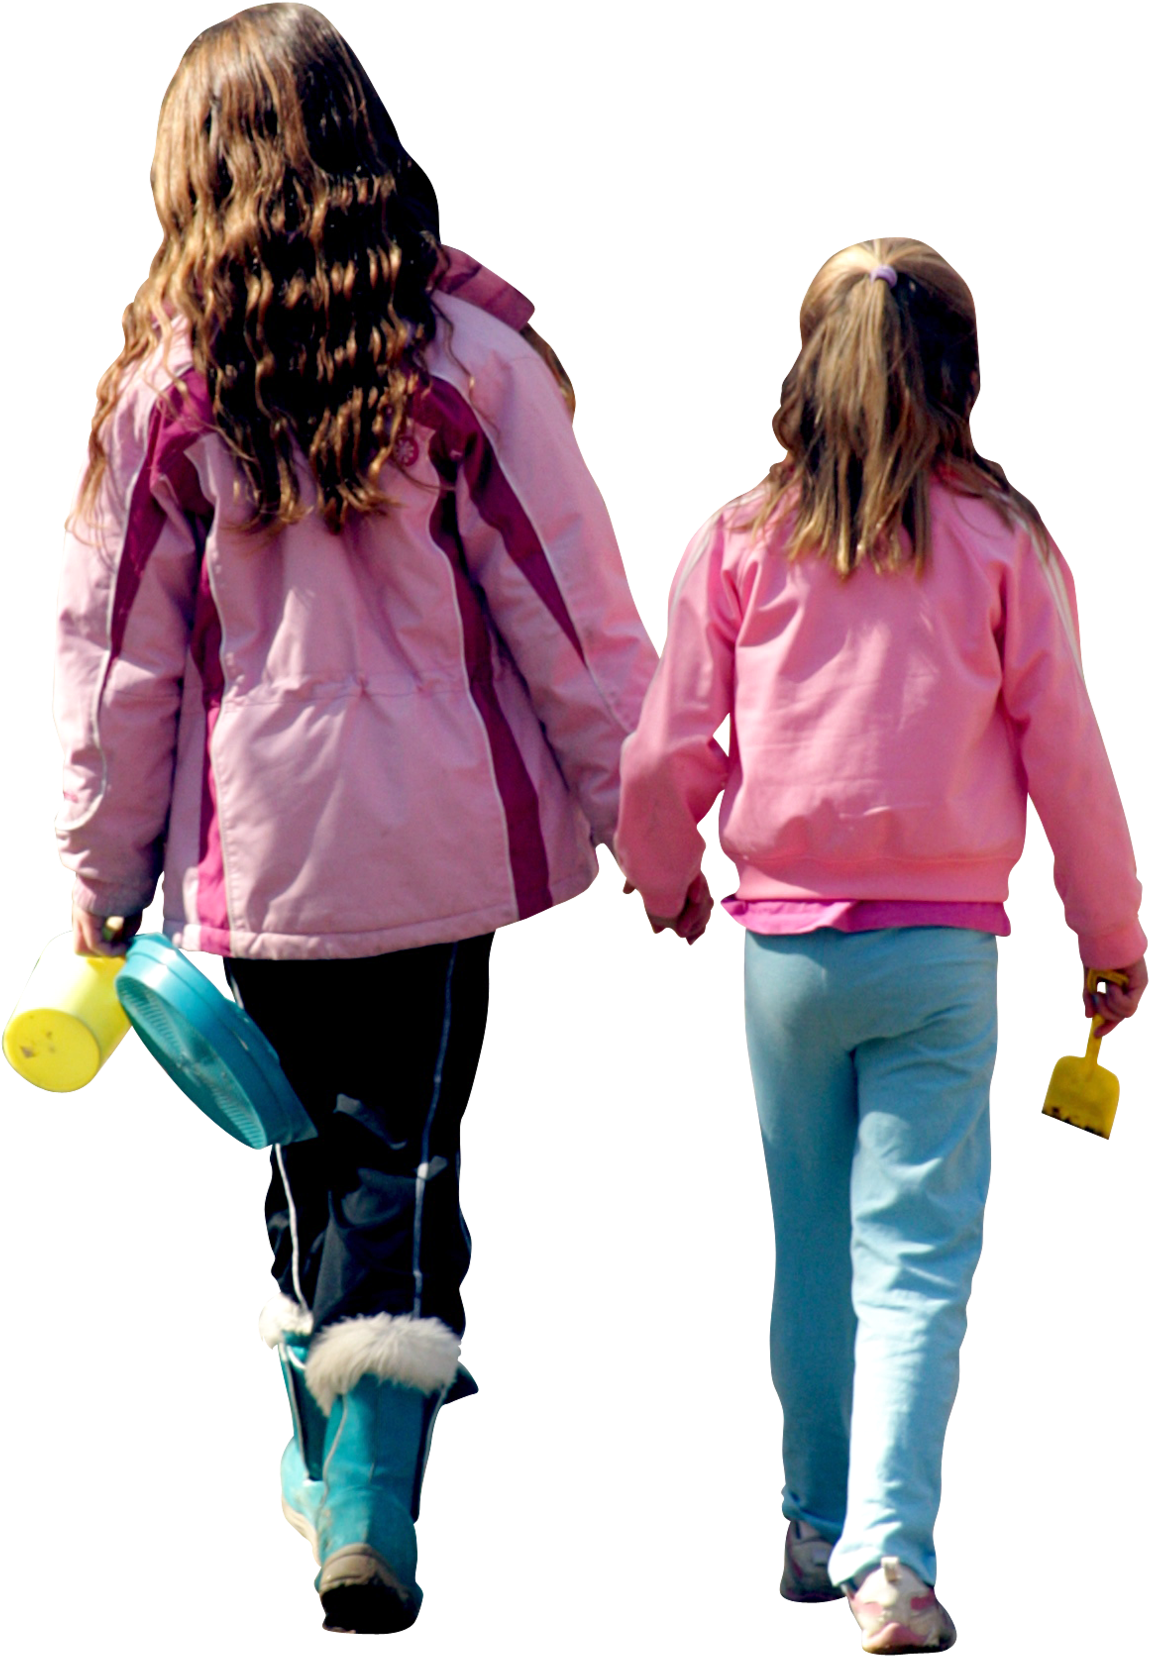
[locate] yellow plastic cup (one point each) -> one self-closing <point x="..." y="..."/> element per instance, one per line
<point x="68" y="1021"/>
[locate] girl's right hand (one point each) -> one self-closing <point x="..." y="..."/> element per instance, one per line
<point x="102" y="934"/>
<point x="1116" y="1004"/>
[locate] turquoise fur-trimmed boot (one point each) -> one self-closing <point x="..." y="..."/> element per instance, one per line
<point x="381" y="1381"/>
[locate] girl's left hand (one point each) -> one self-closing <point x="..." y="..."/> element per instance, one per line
<point x="1116" y="1004"/>
<point x="102" y="934"/>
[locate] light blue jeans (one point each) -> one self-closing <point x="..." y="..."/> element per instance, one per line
<point x="872" y="1054"/>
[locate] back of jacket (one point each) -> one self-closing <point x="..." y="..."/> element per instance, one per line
<point x="340" y="745"/>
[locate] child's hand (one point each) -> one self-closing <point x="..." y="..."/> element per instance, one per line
<point x="1116" y="1004"/>
<point x="102" y="934"/>
<point x="690" y="922"/>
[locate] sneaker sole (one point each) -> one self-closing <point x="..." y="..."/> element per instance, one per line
<point x="898" y="1638"/>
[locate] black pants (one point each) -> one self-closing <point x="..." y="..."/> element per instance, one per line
<point x="383" y="1053"/>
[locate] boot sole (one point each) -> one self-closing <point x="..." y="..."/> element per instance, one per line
<point x="360" y="1594"/>
<point x="365" y="1610"/>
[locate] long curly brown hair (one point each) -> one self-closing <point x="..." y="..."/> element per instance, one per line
<point x="877" y="403"/>
<point x="300" y="247"/>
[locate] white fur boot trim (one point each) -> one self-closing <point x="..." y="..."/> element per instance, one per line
<point x="282" y="1316"/>
<point x="420" y="1352"/>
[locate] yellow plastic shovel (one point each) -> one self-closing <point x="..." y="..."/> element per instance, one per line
<point x="1080" y="1091"/>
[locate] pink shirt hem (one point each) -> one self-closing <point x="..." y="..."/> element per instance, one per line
<point x="787" y="917"/>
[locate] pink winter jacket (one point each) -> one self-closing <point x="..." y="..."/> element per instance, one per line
<point x="341" y="745"/>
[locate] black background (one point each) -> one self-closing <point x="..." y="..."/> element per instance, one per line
<point x="664" y="202"/>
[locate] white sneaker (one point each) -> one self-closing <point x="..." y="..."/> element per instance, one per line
<point x="805" y="1579"/>
<point x="897" y="1611"/>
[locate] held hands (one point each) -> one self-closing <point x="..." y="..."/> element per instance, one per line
<point x="1116" y="1004"/>
<point x="696" y="911"/>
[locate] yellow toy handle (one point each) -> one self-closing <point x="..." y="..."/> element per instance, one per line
<point x="1094" y="977"/>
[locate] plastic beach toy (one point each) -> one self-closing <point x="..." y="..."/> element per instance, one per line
<point x="1080" y="1091"/>
<point x="68" y="1021"/>
<point x="76" y="1009"/>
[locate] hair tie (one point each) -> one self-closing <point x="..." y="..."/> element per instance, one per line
<point x="886" y="273"/>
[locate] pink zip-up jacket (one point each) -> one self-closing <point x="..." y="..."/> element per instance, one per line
<point x="342" y="745"/>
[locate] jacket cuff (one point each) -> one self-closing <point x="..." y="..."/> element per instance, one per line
<point x="1113" y="949"/>
<point x="102" y="898"/>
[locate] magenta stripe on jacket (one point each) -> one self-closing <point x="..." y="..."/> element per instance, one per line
<point x="178" y="419"/>
<point x="526" y="846"/>
<point x="168" y="441"/>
